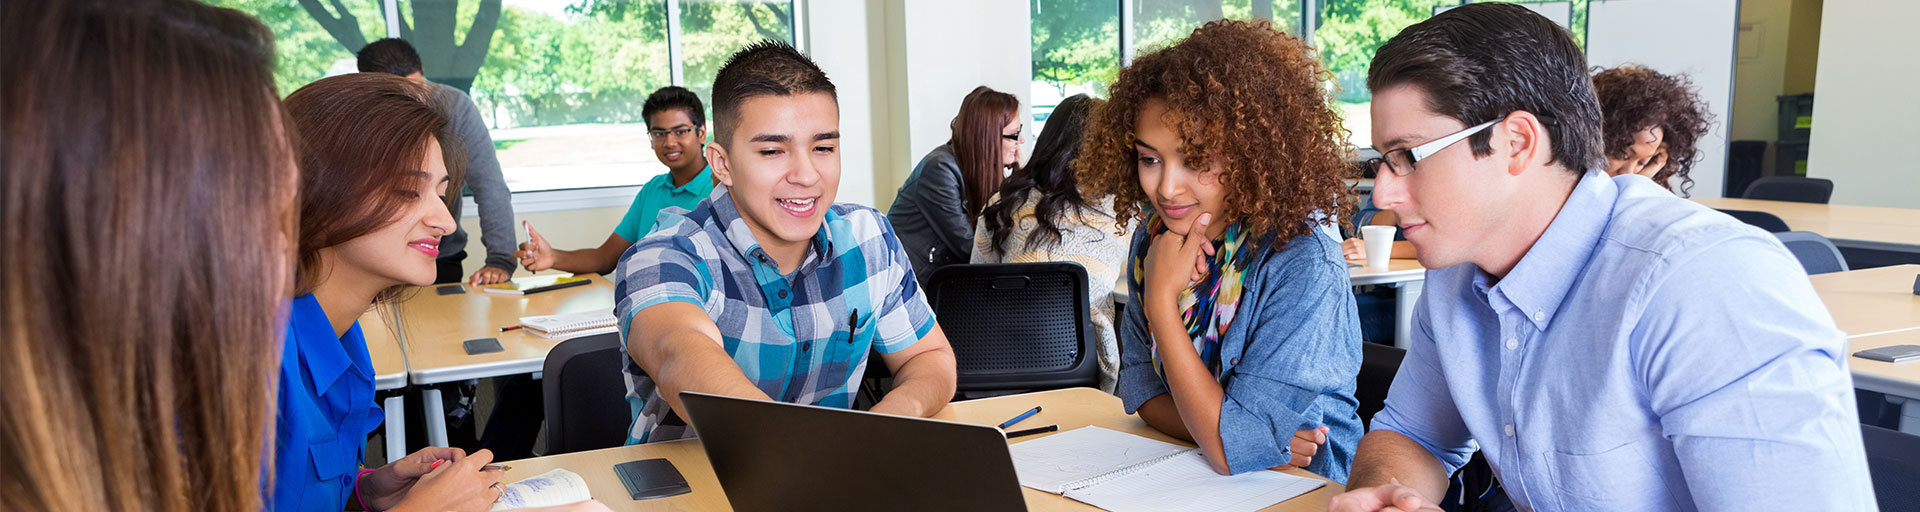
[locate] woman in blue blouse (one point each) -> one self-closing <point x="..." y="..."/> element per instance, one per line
<point x="373" y="185"/>
<point x="1243" y="337"/>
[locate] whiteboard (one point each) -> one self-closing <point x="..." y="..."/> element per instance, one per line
<point x="1690" y="37"/>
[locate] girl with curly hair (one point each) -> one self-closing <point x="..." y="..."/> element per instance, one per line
<point x="1243" y="336"/>
<point x="1652" y="122"/>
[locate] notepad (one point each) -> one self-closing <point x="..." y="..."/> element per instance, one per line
<point x="535" y="284"/>
<point x="1123" y="472"/>
<point x="570" y="325"/>
<point x="557" y="487"/>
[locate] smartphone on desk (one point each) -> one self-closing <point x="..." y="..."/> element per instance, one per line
<point x="1893" y="354"/>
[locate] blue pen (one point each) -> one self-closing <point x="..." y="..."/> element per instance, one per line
<point x="1022" y="416"/>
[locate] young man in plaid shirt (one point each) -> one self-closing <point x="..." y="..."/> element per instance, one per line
<point x="767" y="289"/>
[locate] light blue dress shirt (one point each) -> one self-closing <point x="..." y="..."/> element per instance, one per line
<point x="1647" y="353"/>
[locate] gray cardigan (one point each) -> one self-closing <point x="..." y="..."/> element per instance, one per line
<point x="490" y="192"/>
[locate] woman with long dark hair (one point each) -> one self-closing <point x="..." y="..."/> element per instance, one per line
<point x="934" y="211"/>
<point x="1039" y="215"/>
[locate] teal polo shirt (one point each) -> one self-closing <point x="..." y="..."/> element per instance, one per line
<point x="658" y="194"/>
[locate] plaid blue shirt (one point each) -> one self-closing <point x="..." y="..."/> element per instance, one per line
<point x="801" y="338"/>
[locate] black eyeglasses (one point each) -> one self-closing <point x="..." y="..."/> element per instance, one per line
<point x="661" y="134"/>
<point x="1015" y="137"/>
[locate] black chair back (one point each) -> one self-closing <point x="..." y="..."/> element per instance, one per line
<point x="1815" y="252"/>
<point x="586" y="395"/>
<point x="1017" y="326"/>
<point x="1763" y="220"/>
<point x="1893" y="461"/>
<point x="1791" y="188"/>
<point x="1378" y="364"/>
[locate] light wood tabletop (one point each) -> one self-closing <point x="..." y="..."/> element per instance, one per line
<point x="1871" y="301"/>
<point x="1068" y="408"/>
<point x="1866" y="226"/>
<point x="1899" y="379"/>
<point x="1398" y="270"/>
<point x="389" y="360"/>
<point x="433" y="328"/>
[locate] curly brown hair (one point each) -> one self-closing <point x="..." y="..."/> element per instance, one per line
<point x="1249" y="103"/>
<point x="1634" y="98"/>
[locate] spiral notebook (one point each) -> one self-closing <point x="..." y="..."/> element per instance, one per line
<point x="552" y="488"/>
<point x="570" y="325"/>
<point x="1123" y="473"/>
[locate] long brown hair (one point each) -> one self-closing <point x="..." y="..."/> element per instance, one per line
<point x="361" y="136"/>
<point x="146" y="181"/>
<point x="976" y="143"/>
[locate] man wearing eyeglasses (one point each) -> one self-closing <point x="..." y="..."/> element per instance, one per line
<point x="677" y="126"/>
<point x="1604" y="344"/>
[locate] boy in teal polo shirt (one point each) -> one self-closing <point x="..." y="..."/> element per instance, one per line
<point x="676" y="123"/>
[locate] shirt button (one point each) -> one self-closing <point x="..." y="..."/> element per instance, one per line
<point x="1512" y="343"/>
<point x="783" y="294"/>
<point x="1509" y="430"/>
<point x="1539" y="316"/>
<point x="1235" y="361"/>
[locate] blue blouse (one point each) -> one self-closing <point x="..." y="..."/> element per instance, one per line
<point x="1287" y="363"/>
<point x="326" y="409"/>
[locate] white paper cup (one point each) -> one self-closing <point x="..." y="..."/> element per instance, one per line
<point x="1379" y="240"/>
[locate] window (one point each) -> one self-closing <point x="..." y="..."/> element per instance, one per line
<point x="560" y="83"/>
<point x="1076" y="50"/>
<point x="1072" y="40"/>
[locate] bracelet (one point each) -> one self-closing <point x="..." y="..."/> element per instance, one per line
<point x="356" y="489"/>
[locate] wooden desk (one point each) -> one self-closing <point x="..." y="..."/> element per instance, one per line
<point x="389" y="373"/>
<point x="1069" y="408"/>
<point x="1900" y="381"/>
<point x="433" y="328"/>
<point x="1864" y="227"/>
<point x="1871" y="301"/>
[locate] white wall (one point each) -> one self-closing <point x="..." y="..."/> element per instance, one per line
<point x="847" y="39"/>
<point x="1691" y="37"/>
<point x="937" y="52"/>
<point x="1865" y="110"/>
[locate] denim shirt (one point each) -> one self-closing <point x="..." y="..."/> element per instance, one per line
<point x="325" y="411"/>
<point x="1290" y="358"/>
<point x="1647" y="353"/>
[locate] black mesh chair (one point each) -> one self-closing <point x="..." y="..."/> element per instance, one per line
<point x="1017" y="326"/>
<point x="1763" y="220"/>
<point x="586" y="395"/>
<point x="1815" y="252"/>
<point x="1378" y="364"/>
<point x="1791" y="188"/>
<point x="1893" y="461"/>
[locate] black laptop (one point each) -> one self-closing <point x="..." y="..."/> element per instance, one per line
<point x="773" y="456"/>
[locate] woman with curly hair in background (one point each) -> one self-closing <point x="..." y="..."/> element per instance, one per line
<point x="1244" y="338"/>
<point x="1652" y="122"/>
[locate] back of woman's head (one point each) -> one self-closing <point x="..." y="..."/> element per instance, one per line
<point x="1634" y="99"/>
<point x="977" y="141"/>
<point x="1248" y="103"/>
<point x="1050" y="172"/>
<point x="362" y="138"/>
<point x="147" y="185"/>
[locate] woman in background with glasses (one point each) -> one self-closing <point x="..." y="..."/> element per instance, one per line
<point x="934" y="211"/>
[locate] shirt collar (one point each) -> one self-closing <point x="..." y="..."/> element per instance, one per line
<point x="699" y="186"/>
<point x="741" y="237"/>
<point x="325" y="356"/>
<point x="1540" y="281"/>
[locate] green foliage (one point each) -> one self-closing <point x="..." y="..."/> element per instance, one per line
<point x="303" y="51"/>
<point x="1352" y="30"/>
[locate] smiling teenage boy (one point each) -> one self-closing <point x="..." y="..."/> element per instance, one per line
<point x="767" y="289"/>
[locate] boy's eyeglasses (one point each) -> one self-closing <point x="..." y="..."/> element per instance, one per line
<point x="661" y="134"/>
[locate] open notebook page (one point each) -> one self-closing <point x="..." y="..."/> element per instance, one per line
<point x="1049" y="463"/>
<point x="557" y="487"/>
<point x="1186" y="482"/>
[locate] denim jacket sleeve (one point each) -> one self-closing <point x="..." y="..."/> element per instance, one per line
<point x="1291" y="358"/>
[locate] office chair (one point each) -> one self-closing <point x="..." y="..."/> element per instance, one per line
<point x="1791" y="188"/>
<point x="1763" y="220"/>
<point x="1893" y="461"/>
<point x="1017" y="326"/>
<point x="1815" y="252"/>
<point x="586" y="394"/>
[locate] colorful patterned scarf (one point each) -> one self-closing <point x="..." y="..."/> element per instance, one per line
<point x="1207" y="307"/>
